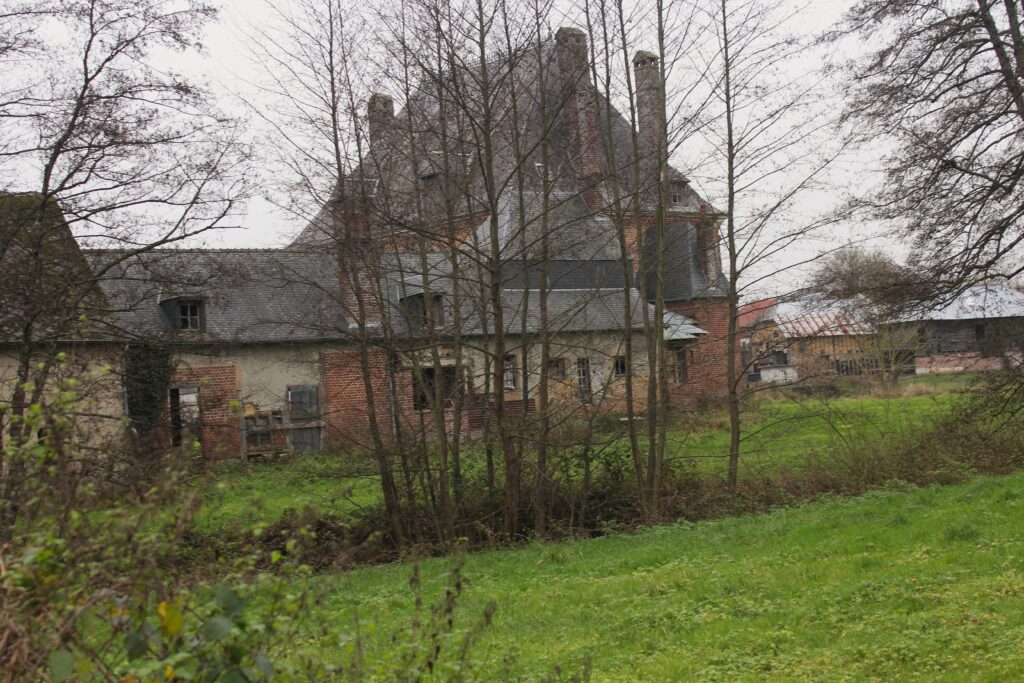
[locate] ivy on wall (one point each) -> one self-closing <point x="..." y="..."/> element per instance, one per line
<point x="148" y="371"/>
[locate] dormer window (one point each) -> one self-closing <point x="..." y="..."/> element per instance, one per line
<point x="190" y="314"/>
<point x="185" y="313"/>
<point x="677" y="197"/>
<point x="420" y="314"/>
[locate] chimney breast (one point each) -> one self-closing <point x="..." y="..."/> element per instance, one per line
<point x="380" y="112"/>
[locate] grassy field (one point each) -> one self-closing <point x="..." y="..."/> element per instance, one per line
<point x="242" y="493"/>
<point x="778" y="433"/>
<point x="924" y="584"/>
<point x="919" y="585"/>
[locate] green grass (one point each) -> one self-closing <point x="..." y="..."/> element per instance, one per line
<point x="778" y="433"/>
<point x="244" y="493"/>
<point x="924" y="585"/>
<point x="781" y="433"/>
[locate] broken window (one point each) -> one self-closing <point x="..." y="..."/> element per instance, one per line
<point x="304" y="402"/>
<point x="259" y="440"/>
<point x="419" y="314"/>
<point x="556" y="368"/>
<point x="586" y="388"/>
<point x="184" y="413"/>
<point x="426" y="386"/>
<point x="510" y="375"/>
<point x="619" y="366"/>
<point x="682" y="366"/>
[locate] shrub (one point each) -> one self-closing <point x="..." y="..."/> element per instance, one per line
<point x="91" y="590"/>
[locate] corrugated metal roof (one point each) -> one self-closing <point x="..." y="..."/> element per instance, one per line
<point x="981" y="301"/>
<point x="817" y="316"/>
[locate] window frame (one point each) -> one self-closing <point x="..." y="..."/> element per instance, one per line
<point x="185" y="319"/>
<point x="421" y="316"/>
<point x="185" y="417"/>
<point x="584" y="380"/>
<point x="423" y="388"/>
<point x="682" y="366"/>
<point x="303" y="414"/>
<point x="254" y="438"/>
<point x="510" y="372"/>
<point x="620" y="371"/>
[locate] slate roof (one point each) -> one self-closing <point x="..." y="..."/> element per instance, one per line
<point x="685" y="276"/>
<point x="281" y="296"/>
<point x="250" y="296"/>
<point x="680" y="328"/>
<point x="573" y="310"/>
<point x="574" y="232"/>
<point x="569" y="310"/>
<point x="386" y="170"/>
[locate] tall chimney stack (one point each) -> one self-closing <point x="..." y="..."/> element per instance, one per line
<point x="579" y="111"/>
<point x="650" y="99"/>
<point x="380" y="112"/>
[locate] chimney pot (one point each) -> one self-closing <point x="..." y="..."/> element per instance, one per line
<point x="570" y="35"/>
<point x="644" y="58"/>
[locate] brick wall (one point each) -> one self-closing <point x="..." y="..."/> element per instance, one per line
<point x="707" y="373"/>
<point x="346" y="397"/>
<point x="220" y="427"/>
<point x="346" y="401"/>
<point x="579" y="111"/>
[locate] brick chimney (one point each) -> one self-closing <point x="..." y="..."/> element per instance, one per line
<point x="650" y="99"/>
<point x="579" y="111"/>
<point x="380" y="112"/>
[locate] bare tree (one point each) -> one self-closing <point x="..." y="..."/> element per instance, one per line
<point x="941" y="88"/>
<point x="102" y="144"/>
<point x="770" y="133"/>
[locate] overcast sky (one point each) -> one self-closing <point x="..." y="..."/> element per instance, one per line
<point x="227" y="67"/>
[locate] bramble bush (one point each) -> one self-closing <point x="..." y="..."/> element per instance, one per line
<point x="92" y="588"/>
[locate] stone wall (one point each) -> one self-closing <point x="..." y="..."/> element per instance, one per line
<point x="944" y="363"/>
